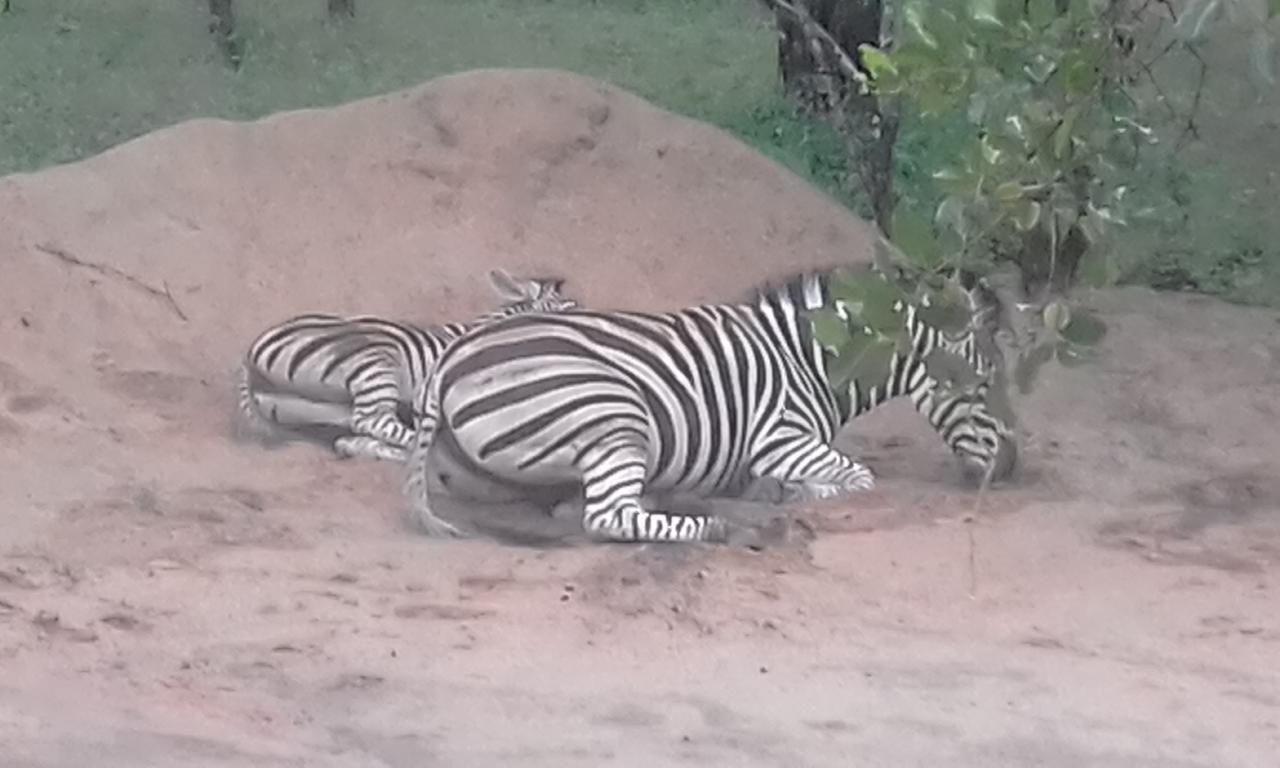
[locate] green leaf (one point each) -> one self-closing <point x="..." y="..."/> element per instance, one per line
<point x="1029" y="365"/>
<point x="1096" y="269"/>
<point x="950" y="216"/>
<point x="1026" y="214"/>
<point x="954" y="181"/>
<point x="902" y="342"/>
<point x="877" y="61"/>
<point x="1041" y="12"/>
<point x="935" y="97"/>
<point x="846" y="284"/>
<point x="1085" y="328"/>
<point x="1039" y="69"/>
<point x="1055" y="316"/>
<point x="914" y="236"/>
<point x="1273" y="8"/>
<point x="865" y="357"/>
<point x="914" y="17"/>
<point x="1008" y="192"/>
<point x="1062" y="134"/>
<point x="1070" y="355"/>
<point x="829" y="330"/>
<point x="882" y="302"/>
<point x="950" y="370"/>
<point x="1079" y="75"/>
<point x="1010" y="12"/>
<point x="885" y="257"/>
<point x="990" y="155"/>
<point x="946" y="311"/>
<point x="1093" y="227"/>
<point x="984" y="12"/>
<point x="871" y="367"/>
<point x="1117" y="102"/>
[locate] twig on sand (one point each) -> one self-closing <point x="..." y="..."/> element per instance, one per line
<point x="108" y="271"/>
<point x="173" y="302"/>
<point x="969" y="521"/>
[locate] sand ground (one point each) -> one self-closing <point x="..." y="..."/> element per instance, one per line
<point x="169" y="597"/>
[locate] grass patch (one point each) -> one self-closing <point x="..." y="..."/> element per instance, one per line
<point x="78" y="76"/>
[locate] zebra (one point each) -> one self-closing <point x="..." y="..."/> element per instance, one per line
<point x="349" y="380"/>
<point x="700" y="401"/>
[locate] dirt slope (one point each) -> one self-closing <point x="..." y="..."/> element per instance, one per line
<point x="170" y="598"/>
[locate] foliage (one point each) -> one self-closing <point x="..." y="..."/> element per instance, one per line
<point x="809" y="148"/>
<point x="79" y="76"/>
<point x="1051" y="134"/>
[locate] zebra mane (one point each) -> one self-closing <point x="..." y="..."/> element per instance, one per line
<point x="806" y="291"/>
<point x="809" y="290"/>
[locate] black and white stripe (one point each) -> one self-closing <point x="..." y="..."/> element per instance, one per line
<point x="351" y="379"/>
<point x="700" y="401"/>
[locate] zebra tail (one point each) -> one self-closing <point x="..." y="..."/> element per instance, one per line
<point x="250" y="424"/>
<point x="417" y="478"/>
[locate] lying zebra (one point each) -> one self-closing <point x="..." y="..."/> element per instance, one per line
<point x="348" y="380"/>
<point x="703" y="401"/>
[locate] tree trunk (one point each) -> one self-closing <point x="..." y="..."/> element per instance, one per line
<point x="223" y="28"/>
<point x="818" y="62"/>
<point x="342" y="9"/>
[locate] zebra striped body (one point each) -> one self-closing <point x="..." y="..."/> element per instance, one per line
<point x="700" y="401"/>
<point x="352" y="378"/>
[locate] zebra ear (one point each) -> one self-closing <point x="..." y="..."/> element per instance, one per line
<point x="512" y="288"/>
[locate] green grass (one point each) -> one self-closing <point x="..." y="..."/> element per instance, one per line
<point x="79" y="76"/>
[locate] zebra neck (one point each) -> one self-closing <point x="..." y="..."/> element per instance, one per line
<point x="854" y="399"/>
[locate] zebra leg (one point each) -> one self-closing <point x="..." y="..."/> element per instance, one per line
<point x="382" y="424"/>
<point x="363" y="446"/>
<point x="375" y="400"/>
<point x="299" y="413"/>
<point x="294" y="412"/>
<point x="613" y="482"/>
<point x="807" y="468"/>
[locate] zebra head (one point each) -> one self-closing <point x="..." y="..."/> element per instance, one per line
<point x="978" y="424"/>
<point x="529" y="294"/>
<point x="968" y="408"/>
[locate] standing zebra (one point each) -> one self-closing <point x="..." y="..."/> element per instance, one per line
<point x="699" y="401"/>
<point x="349" y="379"/>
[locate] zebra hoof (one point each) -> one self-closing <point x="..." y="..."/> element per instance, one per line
<point x="435" y="528"/>
<point x="717" y="531"/>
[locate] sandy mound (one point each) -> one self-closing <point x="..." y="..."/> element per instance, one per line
<point x="170" y="598"/>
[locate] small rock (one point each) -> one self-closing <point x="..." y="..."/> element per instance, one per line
<point x="121" y="621"/>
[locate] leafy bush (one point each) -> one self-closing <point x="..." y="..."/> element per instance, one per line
<point x="1040" y="180"/>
